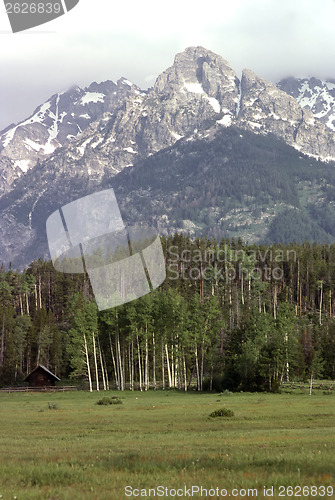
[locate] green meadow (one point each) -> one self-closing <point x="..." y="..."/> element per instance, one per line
<point x="65" y="446"/>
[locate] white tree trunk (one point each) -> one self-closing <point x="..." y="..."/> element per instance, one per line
<point x="197" y="367"/>
<point x="275" y="303"/>
<point x="39" y="292"/>
<point x="146" y="381"/>
<point x="168" y="365"/>
<point x="153" y="360"/>
<point x="21" y="306"/>
<point x="139" y="363"/>
<point x="287" y="361"/>
<point x="321" y="297"/>
<point x="119" y="361"/>
<point x="129" y="364"/>
<point x="172" y="367"/>
<point x="185" y="373"/>
<point x="88" y="364"/>
<point x="102" y="367"/>
<point x="202" y="365"/>
<point x="27" y="303"/>
<point x="163" y="367"/>
<point x="114" y="365"/>
<point x="132" y="367"/>
<point x="95" y="362"/>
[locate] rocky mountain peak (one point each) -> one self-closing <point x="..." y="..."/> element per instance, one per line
<point x="194" y="62"/>
<point x="200" y="71"/>
<point x="266" y="108"/>
<point x="262" y="100"/>
<point x="55" y="123"/>
<point x="197" y="87"/>
<point x="314" y="94"/>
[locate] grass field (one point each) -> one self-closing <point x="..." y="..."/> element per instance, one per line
<point x="64" y="446"/>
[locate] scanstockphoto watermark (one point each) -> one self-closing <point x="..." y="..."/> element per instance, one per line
<point x="219" y="492"/>
<point x="190" y="491"/>
<point x="228" y="264"/>
<point x="89" y="235"/>
<point x="26" y="14"/>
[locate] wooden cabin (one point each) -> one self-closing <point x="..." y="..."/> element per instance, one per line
<point x="41" y="377"/>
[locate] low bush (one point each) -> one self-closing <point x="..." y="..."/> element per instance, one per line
<point x="226" y="393"/>
<point x="113" y="400"/>
<point x="52" y="406"/>
<point x="222" y="412"/>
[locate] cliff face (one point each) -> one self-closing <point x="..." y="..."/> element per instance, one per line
<point x="316" y="95"/>
<point x="265" y="108"/>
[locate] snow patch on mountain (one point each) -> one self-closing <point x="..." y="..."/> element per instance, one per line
<point x="226" y="121"/>
<point x="95" y="144"/>
<point x="177" y="136"/>
<point x="46" y="148"/>
<point x="83" y="146"/>
<point x="196" y="88"/>
<point x="214" y="103"/>
<point x="127" y="82"/>
<point x="22" y="164"/>
<point x="92" y="97"/>
<point x="130" y="150"/>
<point x="8" y="136"/>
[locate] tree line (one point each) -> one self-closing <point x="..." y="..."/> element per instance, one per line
<point x="229" y="315"/>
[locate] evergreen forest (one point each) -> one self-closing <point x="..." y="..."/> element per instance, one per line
<point x="229" y="316"/>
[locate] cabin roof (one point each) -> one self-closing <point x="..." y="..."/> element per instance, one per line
<point x="44" y="369"/>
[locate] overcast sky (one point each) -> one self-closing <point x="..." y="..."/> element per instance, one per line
<point x="103" y="39"/>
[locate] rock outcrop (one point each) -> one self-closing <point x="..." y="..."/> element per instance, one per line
<point x="316" y="95"/>
<point x="264" y="108"/>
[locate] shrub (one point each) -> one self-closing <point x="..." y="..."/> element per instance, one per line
<point x="226" y="393"/>
<point x="113" y="400"/>
<point x="222" y="412"/>
<point x="52" y="406"/>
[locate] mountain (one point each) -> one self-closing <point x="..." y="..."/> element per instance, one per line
<point x="231" y="183"/>
<point x="193" y="90"/>
<point x="316" y="95"/>
<point x="55" y="123"/>
<point x="202" y="151"/>
<point x="219" y="181"/>
<point x="266" y="108"/>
